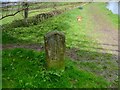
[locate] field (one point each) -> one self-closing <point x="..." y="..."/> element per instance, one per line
<point x="32" y="12"/>
<point x="89" y="61"/>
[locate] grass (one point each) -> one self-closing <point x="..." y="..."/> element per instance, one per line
<point x="32" y="13"/>
<point x="34" y="34"/>
<point x="81" y="73"/>
<point x="25" y="69"/>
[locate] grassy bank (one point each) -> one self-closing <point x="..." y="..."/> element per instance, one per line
<point x="25" y="69"/>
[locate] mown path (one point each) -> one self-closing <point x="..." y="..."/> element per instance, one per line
<point x="107" y="38"/>
<point x="108" y="35"/>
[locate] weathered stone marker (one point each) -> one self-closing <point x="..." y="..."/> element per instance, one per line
<point x="55" y="50"/>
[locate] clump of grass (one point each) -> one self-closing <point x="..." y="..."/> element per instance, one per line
<point x="24" y="68"/>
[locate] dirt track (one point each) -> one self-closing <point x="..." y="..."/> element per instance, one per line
<point x="108" y="35"/>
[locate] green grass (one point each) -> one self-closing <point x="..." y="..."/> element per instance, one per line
<point x="25" y="69"/>
<point x="75" y="32"/>
<point x="78" y="37"/>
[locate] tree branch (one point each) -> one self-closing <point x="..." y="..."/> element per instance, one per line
<point x="11" y="14"/>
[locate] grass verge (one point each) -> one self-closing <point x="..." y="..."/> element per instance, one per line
<point x="25" y="69"/>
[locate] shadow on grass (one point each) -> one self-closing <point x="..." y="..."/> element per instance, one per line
<point x="98" y="46"/>
<point x="33" y="34"/>
<point x="6" y="38"/>
<point x="101" y="64"/>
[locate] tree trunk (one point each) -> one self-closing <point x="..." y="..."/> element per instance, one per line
<point x="25" y="6"/>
